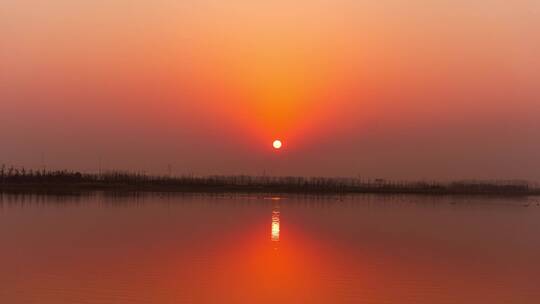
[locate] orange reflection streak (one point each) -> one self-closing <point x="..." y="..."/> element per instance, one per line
<point x="275" y="224"/>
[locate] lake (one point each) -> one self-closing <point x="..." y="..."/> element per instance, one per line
<point x="255" y="248"/>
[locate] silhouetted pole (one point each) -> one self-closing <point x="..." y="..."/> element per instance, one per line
<point x="99" y="165"/>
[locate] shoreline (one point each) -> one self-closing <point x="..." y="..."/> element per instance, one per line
<point x="67" y="188"/>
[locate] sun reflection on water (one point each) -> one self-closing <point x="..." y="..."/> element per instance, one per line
<point x="275" y="224"/>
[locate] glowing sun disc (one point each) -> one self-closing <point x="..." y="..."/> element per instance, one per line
<point x="277" y="144"/>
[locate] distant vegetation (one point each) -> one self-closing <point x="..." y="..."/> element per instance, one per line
<point x="20" y="179"/>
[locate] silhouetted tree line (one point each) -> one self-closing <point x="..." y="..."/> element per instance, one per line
<point x="21" y="177"/>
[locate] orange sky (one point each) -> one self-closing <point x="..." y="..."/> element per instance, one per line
<point x="397" y="89"/>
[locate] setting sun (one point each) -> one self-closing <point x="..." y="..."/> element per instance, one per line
<point x="277" y="144"/>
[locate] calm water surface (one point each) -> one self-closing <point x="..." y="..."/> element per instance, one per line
<point x="259" y="249"/>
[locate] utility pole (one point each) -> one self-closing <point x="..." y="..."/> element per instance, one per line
<point x="99" y="165"/>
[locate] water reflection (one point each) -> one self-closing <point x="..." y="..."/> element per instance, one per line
<point x="275" y="223"/>
<point x="133" y="248"/>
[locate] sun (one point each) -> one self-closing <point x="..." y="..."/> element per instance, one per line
<point x="277" y="144"/>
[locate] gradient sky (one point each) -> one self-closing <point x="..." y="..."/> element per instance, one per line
<point x="391" y="88"/>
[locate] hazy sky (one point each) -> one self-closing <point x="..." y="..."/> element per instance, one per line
<point x="389" y="88"/>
